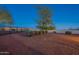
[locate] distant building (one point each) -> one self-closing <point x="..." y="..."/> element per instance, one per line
<point x="13" y="28"/>
<point x="71" y="31"/>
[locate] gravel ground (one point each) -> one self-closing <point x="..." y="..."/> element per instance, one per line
<point x="47" y="44"/>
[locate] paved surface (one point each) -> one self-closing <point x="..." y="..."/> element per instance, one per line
<point x="48" y="44"/>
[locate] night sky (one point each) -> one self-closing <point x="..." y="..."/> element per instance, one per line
<point x="64" y="15"/>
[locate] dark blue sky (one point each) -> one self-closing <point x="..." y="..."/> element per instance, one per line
<point x="64" y="16"/>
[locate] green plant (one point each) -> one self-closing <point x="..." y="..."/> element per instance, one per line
<point x="45" y="22"/>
